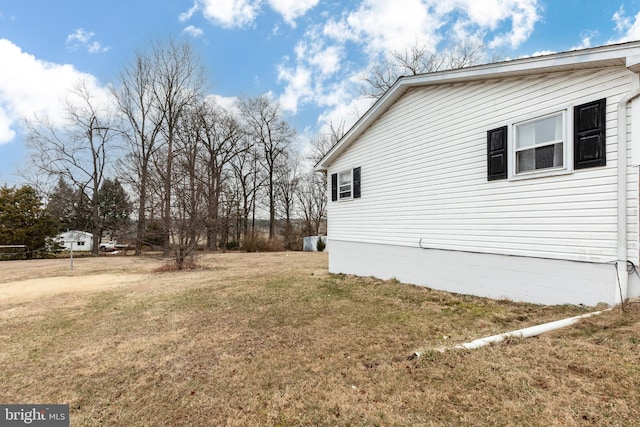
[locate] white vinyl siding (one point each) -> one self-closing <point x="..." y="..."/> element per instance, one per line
<point x="427" y="181"/>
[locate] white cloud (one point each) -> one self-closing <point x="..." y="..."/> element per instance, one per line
<point x="345" y="113"/>
<point x="585" y="42"/>
<point x="627" y="29"/>
<point x="242" y="13"/>
<point x="229" y="103"/>
<point x="185" y="16"/>
<point x="292" y="9"/>
<point x="81" y="38"/>
<point x="481" y="17"/>
<point x="539" y="53"/>
<point x="315" y="65"/>
<point x="30" y="87"/>
<point x="193" y="31"/>
<point x="298" y="87"/>
<point x="622" y="22"/>
<point x="323" y="58"/>
<point x="230" y="13"/>
<point x="6" y="121"/>
<point x="379" y="28"/>
<point x="327" y="60"/>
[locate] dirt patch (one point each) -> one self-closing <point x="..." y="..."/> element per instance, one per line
<point x="32" y="289"/>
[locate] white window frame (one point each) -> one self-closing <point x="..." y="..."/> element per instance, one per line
<point x="348" y="172"/>
<point x="567" y="144"/>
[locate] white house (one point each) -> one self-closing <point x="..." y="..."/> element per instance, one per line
<point x="513" y="180"/>
<point x="78" y="240"/>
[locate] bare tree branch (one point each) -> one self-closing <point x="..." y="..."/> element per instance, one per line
<point x="78" y="151"/>
<point x="420" y="60"/>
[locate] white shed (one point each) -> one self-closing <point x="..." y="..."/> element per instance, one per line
<point x="514" y="180"/>
<point x="76" y="240"/>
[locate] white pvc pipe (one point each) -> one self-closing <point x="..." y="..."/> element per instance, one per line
<point x="520" y="333"/>
<point x="527" y="332"/>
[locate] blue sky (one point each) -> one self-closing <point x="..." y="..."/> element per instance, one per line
<point x="306" y="54"/>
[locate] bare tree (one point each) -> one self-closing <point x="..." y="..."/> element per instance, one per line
<point x="287" y="186"/>
<point x="219" y="134"/>
<point x="151" y="95"/>
<point x="312" y="194"/>
<point x="420" y="60"/>
<point x="79" y="151"/>
<point x="143" y="121"/>
<point x="322" y="143"/>
<point x="273" y="136"/>
<point x="178" y="81"/>
<point x="230" y="219"/>
<point x="187" y="207"/>
<point x="312" y="202"/>
<point x="248" y="179"/>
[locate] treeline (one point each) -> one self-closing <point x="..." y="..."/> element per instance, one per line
<point x="28" y="226"/>
<point x="195" y="172"/>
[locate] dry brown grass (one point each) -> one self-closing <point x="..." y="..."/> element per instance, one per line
<point x="273" y="339"/>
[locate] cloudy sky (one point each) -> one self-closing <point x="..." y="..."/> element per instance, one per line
<point x="309" y="55"/>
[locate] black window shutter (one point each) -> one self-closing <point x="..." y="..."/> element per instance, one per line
<point x="334" y="187"/>
<point x="497" y="153"/>
<point x="356" y="183"/>
<point x="589" y="139"/>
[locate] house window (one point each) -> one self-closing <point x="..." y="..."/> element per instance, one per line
<point x="80" y="243"/>
<point x="560" y="142"/>
<point x="345" y="185"/>
<point x="345" y="180"/>
<point x="540" y="143"/>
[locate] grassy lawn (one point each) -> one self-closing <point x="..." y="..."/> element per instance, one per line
<point x="273" y="339"/>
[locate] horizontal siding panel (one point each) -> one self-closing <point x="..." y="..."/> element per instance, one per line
<point x="414" y="118"/>
<point x="424" y="173"/>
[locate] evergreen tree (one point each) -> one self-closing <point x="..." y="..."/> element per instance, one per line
<point x="114" y="207"/>
<point x="23" y="221"/>
<point x="69" y="207"/>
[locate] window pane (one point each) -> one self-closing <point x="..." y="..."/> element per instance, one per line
<point x="539" y="131"/>
<point x="525" y="161"/>
<point x="558" y="155"/>
<point x="525" y="135"/>
<point x="548" y="129"/>
<point x="548" y="156"/>
<point x="544" y="157"/>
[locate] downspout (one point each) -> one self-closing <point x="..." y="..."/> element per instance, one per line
<point x="622" y="275"/>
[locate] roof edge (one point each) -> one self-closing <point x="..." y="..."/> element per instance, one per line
<point x="577" y="59"/>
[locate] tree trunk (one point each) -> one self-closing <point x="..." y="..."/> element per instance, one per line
<point x="167" y="195"/>
<point x="272" y="209"/>
<point x="142" y="217"/>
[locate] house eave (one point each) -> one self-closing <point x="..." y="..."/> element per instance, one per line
<point x="598" y="57"/>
